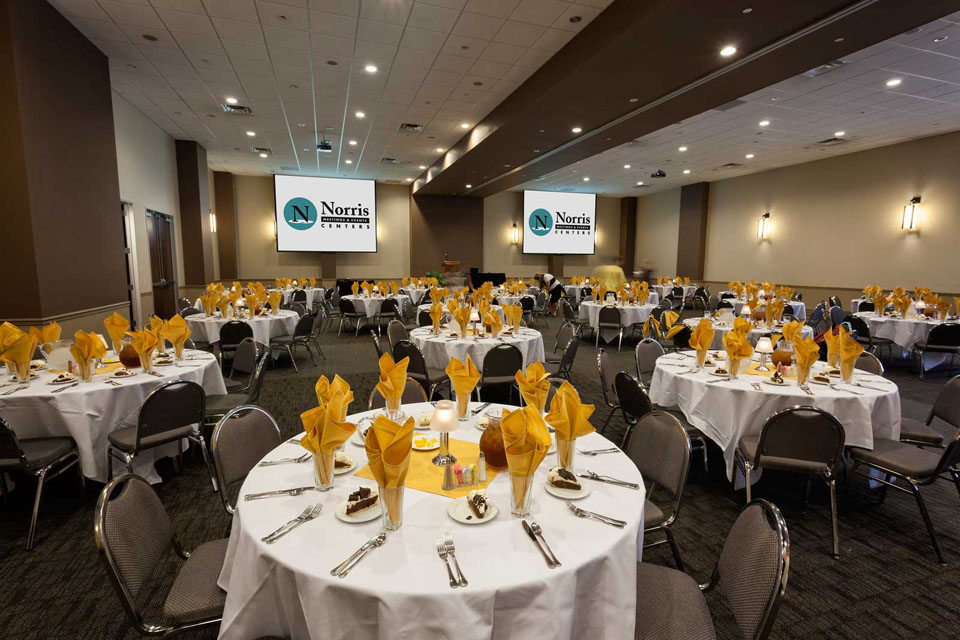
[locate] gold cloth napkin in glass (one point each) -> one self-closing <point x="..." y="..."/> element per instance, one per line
<point x="464" y="377"/>
<point x="492" y="319"/>
<point x="526" y="441"/>
<point x="805" y="351"/>
<point x="388" y="446"/>
<point x="325" y="389"/>
<point x="325" y="427"/>
<point x="514" y="315"/>
<point x="355" y="288"/>
<point x="534" y="385"/>
<point x="87" y="347"/>
<point x="47" y="333"/>
<point x="176" y="331"/>
<point x="701" y="339"/>
<point x="462" y="316"/>
<point x="737" y="347"/>
<point x="117" y="327"/>
<point x="18" y="351"/>
<point x="568" y="416"/>
<point x="436" y="315"/>
<point x="393" y="377"/>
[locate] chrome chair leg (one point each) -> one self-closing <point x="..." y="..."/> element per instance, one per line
<point x="292" y="359"/>
<point x="747" y="480"/>
<point x="927" y="521"/>
<point x="36" y="509"/>
<point x="675" y="549"/>
<point x="833" y="515"/>
<point x="198" y="438"/>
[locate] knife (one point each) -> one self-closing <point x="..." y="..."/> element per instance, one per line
<point x="280" y="492"/>
<point x="620" y="483"/>
<point x="536" y="541"/>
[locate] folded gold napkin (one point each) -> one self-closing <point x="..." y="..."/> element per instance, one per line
<point x="275" y="299"/>
<point x="18" y="351"/>
<point x="513" y="314"/>
<point x="252" y="303"/>
<point x="325" y="426"/>
<point x="774" y="310"/>
<point x="436" y="315"/>
<point x="568" y="416"/>
<point x="834" y="344"/>
<point x="355" y="288"/>
<point x="742" y="326"/>
<point x="805" y="351"/>
<point x="651" y="326"/>
<point x="436" y="295"/>
<point x="534" y="385"/>
<point x="462" y="316"/>
<point x="223" y="303"/>
<point x="792" y="331"/>
<point x="701" y="339"/>
<point x="393" y="377"/>
<point x="325" y="389"/>
<point x="737" y="347"/>
<point x="87" y="347"/>
<point x="463" y="378"/>
<point x="176" y="331"/>
<point x="850" y="350"/>
<point x="388" y="446"/>
<point x="144" y="343"/>
<point x="526" y="441"/>
<point x="47" y="333"/>
<point x="880" y="303"/>
<point x="686" y="280"/>
<point x="492" y="319"/>
<point x="9" y="332"/>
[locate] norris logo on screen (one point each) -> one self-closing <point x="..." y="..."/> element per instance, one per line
<point x="541" y="223"/>
<point x="301" y="214"/>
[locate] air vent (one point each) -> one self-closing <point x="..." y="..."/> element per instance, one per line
<point x="641" y="186"/>
<point x="408" y="127"/>
<point x="237" y="110"/>
<point x="260" y="149"/>
<point x="389" y="160"/>
<point x="729" y="105"/>
<point x="824" y="68"/>
<point x="829" y="142"/>
<point x="731" y="165"/>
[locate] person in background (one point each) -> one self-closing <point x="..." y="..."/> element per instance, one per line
<point x="610" y="275"/>
<point x="554" y="289"/>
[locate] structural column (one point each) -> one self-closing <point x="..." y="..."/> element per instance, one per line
<point x="692" y="237"/>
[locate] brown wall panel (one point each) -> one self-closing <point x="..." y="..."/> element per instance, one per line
<point x="194" y="213"/>
<point x="226" y="208"/>
<point x="445" y="225"/>
<point x="692" y="239"/>
<point x="628" y="234"/>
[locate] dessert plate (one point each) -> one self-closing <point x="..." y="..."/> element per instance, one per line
<point x="38" y="365"/>
<point x="423" y="427"/>
<point x="567" y="494"/>
<point x="359" y="436"/>
<point x="813" y="380"/>
<point x="776" y="384"/>
<point x="426" y="442"/>
<point x="123" y="373"/>
<point x="63" y="378"/>
<point x="723" y="372"/>
<point x="343" y="470"/>
<point x="460" y="511"/>
<point x="364" y="516"/>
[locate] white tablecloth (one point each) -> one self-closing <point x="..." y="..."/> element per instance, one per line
<point x="416" y="294"/>
<point x="91" y="410"/>
<point x="727" y="411"/>
<point x="313" y="295"/>
<point x="371" y="306"/>
<point x="799" y="309"/>
<point x="264" y="327"/>
<point x="665" y="289"/>
<point x="426" y="307"/>
<point x="904" y="332"/>
<point x="630" y="314"/>
<point x="507" y="299"/>
<point x="437" y="350"/>
<point x="400" y="590"/>
<point x="720" y="330"/>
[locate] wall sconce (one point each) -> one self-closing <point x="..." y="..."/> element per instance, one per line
<point x="911" y="215"/>
<point x="273" y="228"/>
<point x="213" y="222"/>
<point x="763" y="227"/>
<point x="515" y="234"/>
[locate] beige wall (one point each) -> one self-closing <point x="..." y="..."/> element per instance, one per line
<point x="392" y="259"/>
<point x="836" y="222"/>
<point x="658" y="229"/>
<point x="608" y="241"/>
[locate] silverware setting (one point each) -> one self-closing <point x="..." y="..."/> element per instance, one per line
<point x="480" y="408"/>
<point x="597" y="452"/>
<point x="719" y="380"/>
<point x="836" y="387"/>
<point x="63" y="388"/>
<point x="279" y="492"/>
<point x="445" y="556"/>
<point x="552" y="562"/>
<point x="112" y="383"/>
<point x="342" y="569"/>
<point x="866" y="386"/>
<point x="609" y="480"/>
<point x="20" y="387"/>
<point x="155" y="374"/>
<point x="756" y="385"/>
<point x="583" y="513"/>
<point x="270" y="463"/>
<point x="452" y="552"/>
<point x="311" y="512"/>
<point x="537" y="531"/>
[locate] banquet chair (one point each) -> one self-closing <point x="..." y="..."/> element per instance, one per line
<point x="396" y="332"/>
<point x="412" y="394"/>
<point x="567" y="311"/>
<point x="837" y="315"/>
<point x="816" y="318"/>
<point x="183" y="304"/>
<point x="331" y="310"/>
<point x="241" y="438"/>
<point x="244" y="362"/>
<point x="500" y="366"/>
<point x="633" y="400"/>
<point x="217" y="405"/>
<point x="661" y="450"/>
<point x="423" y="318"/>
<point x="713" y="302"/>
<point x="915" y="466"/>
<point x="946" y="407"/>
<point x="866" y="306"/>
<point x="725" y="304"/>
<point x="586" y="293"/>
<point x="834" y="301"/>
<point x="540" y="306"/>
<point x="751" y="574"/>
<point x="132" y="532"/>
<point x="190" y="311"/>
<point x="299" y="307"/>
<point x="797" y="297"/>
<point x="390" y="309"/>
<point x="349" y="312"/>
<point x="319" y="318"/>
<point x="869" y="342"/>
<point x="429" y="378"/>
<point x="564" y="335"/>
<point x="728" y="295"/>
<point x="170" y="413"/>
<point x="801" y="439"/>
<point x="527" y="305"/>
<point x="231" y="335"/>
<point x="646" y="354"/>
<point x="869" y="363"/>
<point x="943" y="338"/>
<point x="377" y="345"/>
<point x="609" y="318"/>
<point x="608" y="372"/>
<point x="299" y="295"/>
<point x="680" y="340"/>
<point x="300" y="338"/>
<point x="564" y="368"/>
<point x="43" y="458"/>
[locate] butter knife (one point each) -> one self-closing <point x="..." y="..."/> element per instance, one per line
<point x="65" y="387"/>
<point x="599" y="478"/>
<point x="280" y="492"/>
<point x="536" y="541"/>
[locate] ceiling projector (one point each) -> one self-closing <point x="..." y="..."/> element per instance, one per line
<point x="324" y="147"/>
<point x="659" y="173"/>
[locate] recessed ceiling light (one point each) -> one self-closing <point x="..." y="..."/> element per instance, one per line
<point x="634" y="100"/>
<point x="251" y="133"/>
<point x="263" y="155"/>
<point x="575" y="19"/>
<point x="639" y="183"/>
<point x="940" y="38"/>
<point x="464" y="125"/>
<point x="352" y="143"/>
<point x="370" y="68"/>
<point x="585" y="179"/>
<point x="749" y="156"/>
<point x="686" y="170"/>
<point x="747" y="10"/>
<point x="626" y="166"/>
<point x="764" y="123"/>
<point x="576" y="129"/>
<point x="469" y="186"/>
<point x="301" y="124"/>
<point x="349" y="161"/>
<point x="840" y="39"/>
<point x="439" y="150"/>
<point x="728" y="51"/>
<point x="894" y="82"/>
<point x="422" y="167"/>
<point x="332" y="63"/>
<point x="681" y="149"/>
<point x="149" y="37"/>
<point x="839" y="134"/>
<point x="360" y="114"/>
<point x="231" y="101"/>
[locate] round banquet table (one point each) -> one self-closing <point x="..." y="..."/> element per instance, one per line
<point x="426" y="307"/>
<point x="665" y="289"/>
<point x="401" y="589"/>
<point x="721" y="329"/>
<point x="514" y="300"/>
<point x="856" y="302"/>
<point x="438" y="349"/>
<point x="798" y="309"/>
<point x="416" y="293"/>
<point x="905" y="333"/>
<point x="313" y="294"/>
<point x="629" y="314"/>
<point x="264" y="327"/>
<point x="727" y="411"/>
<point x="89" y="411"/>
<point x="371" y="306"/>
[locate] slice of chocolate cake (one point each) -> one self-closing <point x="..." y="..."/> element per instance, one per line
<point x="477" y="501"/>
<point x="342" y="461"/>
<point x="361" y="500"/>
<point x="563" y="479"/>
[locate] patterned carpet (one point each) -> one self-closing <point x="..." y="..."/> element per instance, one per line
<point x="887" y="584"/>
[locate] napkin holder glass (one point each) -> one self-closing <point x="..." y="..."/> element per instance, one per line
<point x="323" y="464"/>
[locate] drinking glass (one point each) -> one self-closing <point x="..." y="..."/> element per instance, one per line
<point x="392" y="507"/>
<point x="846" y="371"/>
<point x="463" y="406"/>
<point x="520" y="489"/>
<point x="323" y="470"/>
<point x="565" y="450"/>
<point x="146" y="361"/>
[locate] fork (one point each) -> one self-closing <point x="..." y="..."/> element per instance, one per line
<point x="756" y="385"/>
<point x="309" y="513"/>
<point x="837" y="388"/>
<point x="270" y="463"/>
<point x="19" y="387"/>
<point x="583" y="513"/>
<point x="444" y="555"/>
<point x="448" y="545"/>
<point x="65" y="387"/>
<point x="597" y="452"/>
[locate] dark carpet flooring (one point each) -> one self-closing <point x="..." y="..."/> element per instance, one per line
<point x="886" y="585"/>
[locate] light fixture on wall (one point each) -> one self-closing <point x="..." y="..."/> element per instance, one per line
<point x="515" y="234"/>
<point x="213" y="222"/>
<point x="763" y="227"/>
<point x="273" y="228"/>
<point x="911" y="215"/>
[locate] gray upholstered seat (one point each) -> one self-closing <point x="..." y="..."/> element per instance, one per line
<point x="39" y="452"/>
<point x="652" y="514"/>
<point x="126" y="438"/>
<point x="194" y="594"/>
<point x="670" y="606"/>
<point x="220" y="404"/>
<point x="917" y="431"/>
<point x="233" y="386"/>
<point x="240" y="440"/>
<point x="899" y="457"/>
<point x="748" y="447"/>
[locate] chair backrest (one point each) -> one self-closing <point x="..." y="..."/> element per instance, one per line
<point x="133" y="533"/>
<point x="657" y="313"/>
<point x="867" y="306"/>
<point x="396" y="332"/>
<point x="681" y="339"/>
<point x="242" y="437"/>
<point x="676" y="292"/>
<point x="566" y="309"/>
<point x="346" y="306"/>
<point x="390" y="306"/>
<point x="376" y="344"/>
<point x="502" y="360"/>
<point x="609" y="316"/>
<point x="183" y="303"/>
<point x="660" y="447"/>
<point x="944" y="335"/>
<point x="174" y="405"/>
<point x="834" y="301"/>
<point x="233" y="332"/>
<point x="713" y="302"/>
<point x="299" y="307"/>
<point x="567" y="330"/>
<point x="725" y="304"/>
<point x="424" y="319"/>
<point x="586" y="292"/>
<point x="870" y="363"/>
<point x="526" y="303"/>
<point x="633" y="401"/>
<point x="303" y="327"/>
<point x="816" y="315"/>
<point x="412" y="393"/>
<point x="190" y="311"/>
<point x="299" y="295"/>
<point x="802" y="433"/>
<point x="837" y="315"/>
<point x="646" y="354"/>
<point x="569" y="355"/>
<point x="319" y="314"/>
<point x="858" y="325"/>
<point x="256" y="384"/>
<point x="245" y="358"/>
<point x="10" y="446"/>
<point x="608" y="373"/>
<point x="727" y="295"/>
<point x="797" y="297"/>
<point x="406" y="349"/>
<point x="753" y="568"/>
<point x="541" y="298"/>
<point x="947" y="405"/>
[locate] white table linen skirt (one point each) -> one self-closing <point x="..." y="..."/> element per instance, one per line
<point x="629" y="315"/>
<point x="371" y="306"/>
<point x="264" y="327"/>
<point x="437" y="350"/>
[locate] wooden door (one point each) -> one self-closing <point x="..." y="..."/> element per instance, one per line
<point x="160" y="238"/>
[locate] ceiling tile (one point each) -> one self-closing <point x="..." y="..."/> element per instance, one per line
<point x="332" y="45"/>
<point x="198" y="44"/>
<point x="373" y="52"/>
<point x="520" y="34"/>
<point x="333" y="24"/>
<point x="291" y="38"/>
<point x="395" y="11"/>
<point x="238" y="30"/>
<point x="282" y="15"/>
<point x="345" y="7"/>
<point x="458" y="64"/>
<point x="414" y="57"/>
<point x="504" y="53"/>
<point x="184" y="22"/>
<point x="380" y="32"/>
<point x="495" y="8"/>
<point x="81" y="9"/>
<point x="233" y="9"/>
<point x="99" y="29"/>
<point x="422" y="39"/>
<point x="541" y="12"/>
<point x="576" y="17"/>
<point x="474" y="25"/>
<point x="247" y="50"/>
<point x="463" y="46"/>
<point x="425" y="16"/>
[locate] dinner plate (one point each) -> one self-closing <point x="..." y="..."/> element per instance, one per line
<point x="812" y="381"/>
<point x="38" y="365"/>
<point x="423" y="427"/>
<point x="723" y="374"/>
<point x="460" y="511"/>
<point x="359" y="438"/>
<point x="567" y="494"/>
<point x="364" y="516"/>
<point x="343" y="470"/>
<point x="431" y="442"/>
